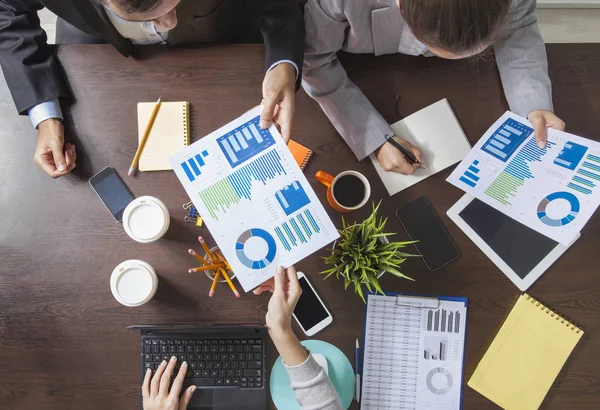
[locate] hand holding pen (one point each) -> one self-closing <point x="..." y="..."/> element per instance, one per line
<point x="399" y="156"/>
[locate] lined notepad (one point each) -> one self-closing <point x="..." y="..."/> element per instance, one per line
<point x="170" y="133"/>
<point x="527" y="354"/>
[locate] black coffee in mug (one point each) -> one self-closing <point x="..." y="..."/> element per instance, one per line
<point x="349" y="190"/>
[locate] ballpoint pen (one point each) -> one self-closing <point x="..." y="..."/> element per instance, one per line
<point x="403" y="150"/>
<point x="357" y="372"/>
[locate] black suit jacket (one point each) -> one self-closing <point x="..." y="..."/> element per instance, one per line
<point x="34" y="76"/>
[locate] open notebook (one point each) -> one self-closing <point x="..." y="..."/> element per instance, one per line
<point x="527" y="354"/>
<point x="437" y="133"/>
<point x="170" y="133"/>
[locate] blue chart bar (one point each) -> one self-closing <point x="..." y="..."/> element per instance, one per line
<point x="519" y="166"/>
<point x="583" y="181"/>
<point x="506" y="139"/>
<point x="593" y="158"/>
<point x="292" y="197"/>
<point x="297" y="230"/>
<point x="192" y="166"/>
<point x="570" y="156"/>
<point x="591" y="166"/>
<point x="589" y="174"/>
<point x="470" y="177"/>
<point x="245" y="142"/>
<point x="262" y="169"/>
<point x="579" y="188"/>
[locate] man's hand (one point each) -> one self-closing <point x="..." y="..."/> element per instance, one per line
<point x="51" y="153"/>
<point x="391" y="159"/>
<point x="541" y="120"/>
<point x="279" y="98"/>
<point x="155" y="393"/>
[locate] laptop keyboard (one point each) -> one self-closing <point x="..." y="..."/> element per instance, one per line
<point x="211" y="362"/>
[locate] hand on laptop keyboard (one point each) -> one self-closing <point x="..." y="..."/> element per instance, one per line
<point x="155" y="390"/>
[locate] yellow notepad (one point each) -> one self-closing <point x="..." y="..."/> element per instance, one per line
<point x="527" y="354"/>
<point x="170" y="133"/>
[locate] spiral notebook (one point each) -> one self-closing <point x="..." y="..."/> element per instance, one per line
<point x="300" y="153"/>
<point x="170" y="133"/>
<point x="526" y="356"/>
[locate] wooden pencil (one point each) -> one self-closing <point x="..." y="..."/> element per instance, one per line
<point x="138" y="153"/>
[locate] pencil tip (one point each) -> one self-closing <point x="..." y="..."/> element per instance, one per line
<point x="190" y="271"/>
<point x="210" y="294"/>
<point x="237" y="294"/>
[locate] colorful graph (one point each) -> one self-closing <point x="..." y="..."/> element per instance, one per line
<point x="292" y="198"/>
<point x="297" y="230"/>
<point x="192" y="166"/>
<point x="570" y="156"/>
<point x="506" y="185"/>
<point x="244" y="142"/>
<point x="506" y="139"/>
<point x="572" y="214"/>
<point x="242" y="252"/>
<point x="470" y="177"/>
<point x="221" y="195"/>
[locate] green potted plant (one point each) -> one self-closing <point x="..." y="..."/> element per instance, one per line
<point x="363" y="254"/>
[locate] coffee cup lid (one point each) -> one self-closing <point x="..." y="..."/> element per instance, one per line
<point x="146" y="219"/>
<point x="133" y="282"/>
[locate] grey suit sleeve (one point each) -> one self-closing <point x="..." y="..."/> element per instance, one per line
<point x="326" y="81"/>
<point x="522" y="62"/>
<point x="313" y="388"/>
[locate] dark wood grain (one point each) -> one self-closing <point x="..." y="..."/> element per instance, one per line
<point x="63" y="338"/>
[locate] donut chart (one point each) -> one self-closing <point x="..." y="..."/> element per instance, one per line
<point x="443" y="372"/>
<point x="573" y="201"/>
<point x="240" y="250"/>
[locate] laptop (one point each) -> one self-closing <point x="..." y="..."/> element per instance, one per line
<point x="225" y="362"/>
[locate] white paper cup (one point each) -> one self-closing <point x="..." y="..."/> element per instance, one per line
<point x="133" y="283"/>
<point x="146" y="219"/>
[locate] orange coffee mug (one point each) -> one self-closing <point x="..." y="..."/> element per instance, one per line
<point x="346" y="192"/>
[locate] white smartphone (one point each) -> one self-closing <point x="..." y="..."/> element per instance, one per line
<point x="310" y="312"/>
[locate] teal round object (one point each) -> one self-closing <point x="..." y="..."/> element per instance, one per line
<point x="341" y="374"/>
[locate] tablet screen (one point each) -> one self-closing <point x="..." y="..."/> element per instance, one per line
<point x="520" y="247"/>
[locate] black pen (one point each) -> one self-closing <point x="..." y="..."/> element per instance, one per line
<point x="403" y="150"/>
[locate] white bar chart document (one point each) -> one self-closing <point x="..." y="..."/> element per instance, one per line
<point x="253" y="198"/>
<point x="552" y="190"/>
<point x="413" y="356"/>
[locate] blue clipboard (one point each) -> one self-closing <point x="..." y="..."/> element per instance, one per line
<point x="415" y="295"/>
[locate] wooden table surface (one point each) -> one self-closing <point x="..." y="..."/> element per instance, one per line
<point x="63" y="337"/>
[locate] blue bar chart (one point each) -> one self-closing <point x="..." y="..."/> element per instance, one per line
<point x="506" y="139"/>
<point x="470" y="177"/>
<point x="297" y="230"/>
<point x="570" y="156"/>
<point x="506" y="185"/>
<point x="192" y="166"/>
<point x="292" y="198"/>
<point x="588" y="176"/>
<point x="221" y="195"/>
<point x="244" y="142"/>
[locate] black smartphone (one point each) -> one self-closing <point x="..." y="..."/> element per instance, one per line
<point x="112" y="191"/>
<point x="422" y="223"/>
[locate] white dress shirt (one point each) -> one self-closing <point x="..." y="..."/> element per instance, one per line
<point x="138" y="32"/>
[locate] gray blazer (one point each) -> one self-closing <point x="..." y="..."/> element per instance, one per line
<point x="375" y="26"/>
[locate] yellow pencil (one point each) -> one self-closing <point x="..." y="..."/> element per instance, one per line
<point x="200" y="258"/>
<point x="208" y="252"/>
<point x="214" y="284"/>
<point x="203" y="268"/>
<point x="230" y="283"/>
<point x="138" y="153"/>
<point x="223" y="260"/>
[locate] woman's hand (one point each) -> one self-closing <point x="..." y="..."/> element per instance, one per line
<point x="391" y="159"/>
<point x="541" y="120"/>
<point x="156" y="393"/>
<point x="286" y="291"/>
